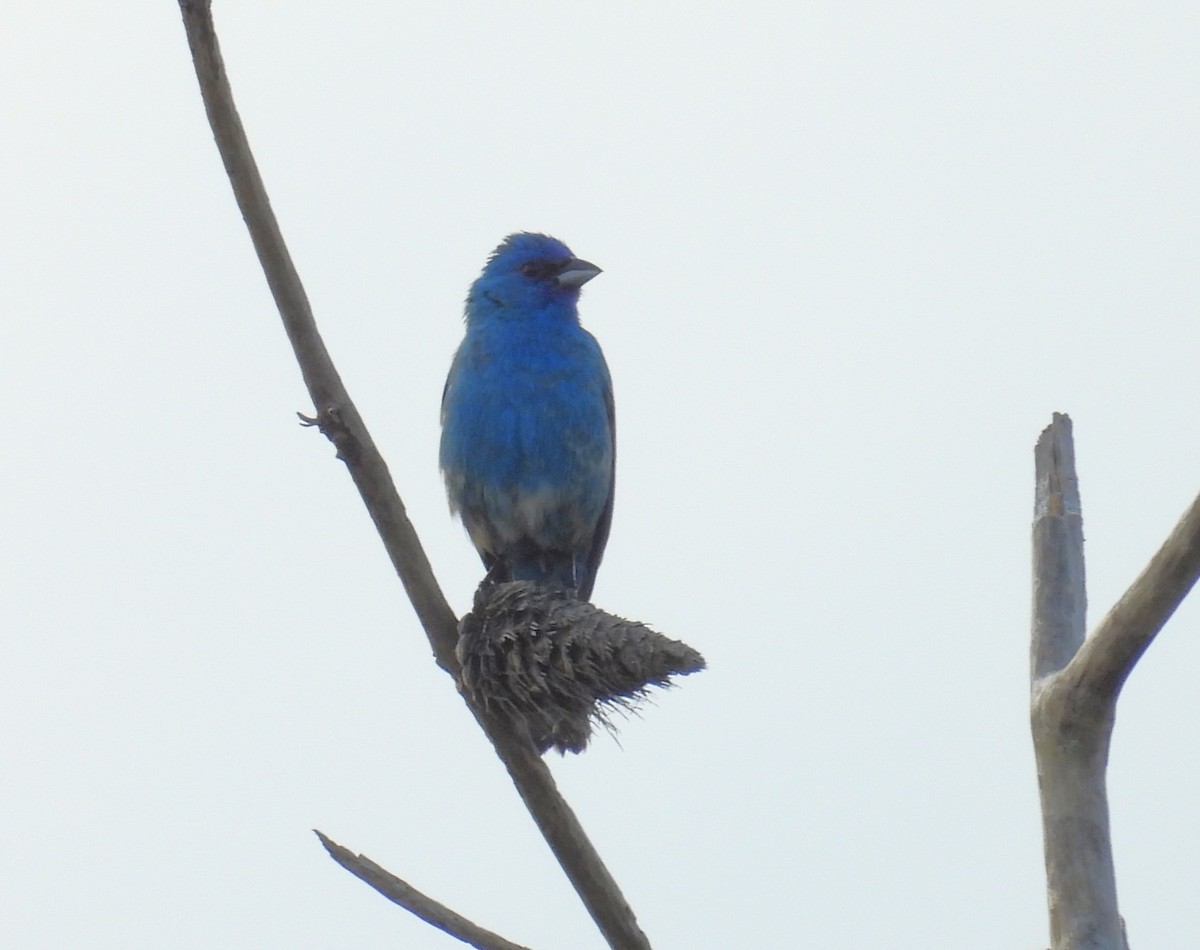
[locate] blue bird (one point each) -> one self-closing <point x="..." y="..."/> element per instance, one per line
<point x="528" y="433"/>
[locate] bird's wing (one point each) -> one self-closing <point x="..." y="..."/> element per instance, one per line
<point x="600" y="537"/>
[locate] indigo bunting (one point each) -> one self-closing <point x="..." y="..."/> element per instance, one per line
<point x="528" y="434"/>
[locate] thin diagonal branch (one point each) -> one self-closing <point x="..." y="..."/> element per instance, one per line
<point x="562" y="830"/>
<point x="1114" y="647"/>
<point x="340" y="421"/>
<point x="402" y="893"/>
<point x="336" y="414"/>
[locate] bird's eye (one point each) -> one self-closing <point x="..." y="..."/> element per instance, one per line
<point x="538" y="270"/>
<point x="530" y="269"/>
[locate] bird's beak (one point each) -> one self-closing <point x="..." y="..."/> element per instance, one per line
<point x="576" y="273"/>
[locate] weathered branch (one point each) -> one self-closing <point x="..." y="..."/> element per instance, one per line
<point x="560" y="827"/>
<point x="1075" y="683"/>
<point x="340" y="421"/>
<point x="1059" y="588"/>
<point x="402" y="893"/>
<point x="1071" y="730"/>
<point x="336" y="414"/>
<point x="1114" y="647"/>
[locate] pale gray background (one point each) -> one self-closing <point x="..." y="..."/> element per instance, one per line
<point x="855" y="255"/>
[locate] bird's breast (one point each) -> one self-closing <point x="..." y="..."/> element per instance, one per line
<point x="528" y="411"/>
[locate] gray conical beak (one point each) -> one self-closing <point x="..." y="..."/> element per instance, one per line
<point x="576" y="273"/>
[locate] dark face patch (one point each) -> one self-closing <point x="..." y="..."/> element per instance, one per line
<point x="542" y="270"/>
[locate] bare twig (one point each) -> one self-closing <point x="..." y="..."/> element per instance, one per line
<point x="339" y="420"/>
<point x="1075" y="683"/>
<point x="1114" y="647"/>
<point x="402" y="893"/>
<point x="336" y="414"/>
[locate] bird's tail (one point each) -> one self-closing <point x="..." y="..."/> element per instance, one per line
<point x="551" y="569"/>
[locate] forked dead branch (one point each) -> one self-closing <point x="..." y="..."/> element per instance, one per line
<point x="1075" y="683"/>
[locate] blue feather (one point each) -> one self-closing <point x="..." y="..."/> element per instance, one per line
<point x="528" y="446"/>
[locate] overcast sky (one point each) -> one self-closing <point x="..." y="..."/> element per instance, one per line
<point x="854" y="256"/>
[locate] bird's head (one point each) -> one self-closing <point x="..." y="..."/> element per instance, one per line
<point x="529" y="274"/>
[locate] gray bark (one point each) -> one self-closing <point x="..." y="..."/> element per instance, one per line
<point x="1075" y="683"/>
